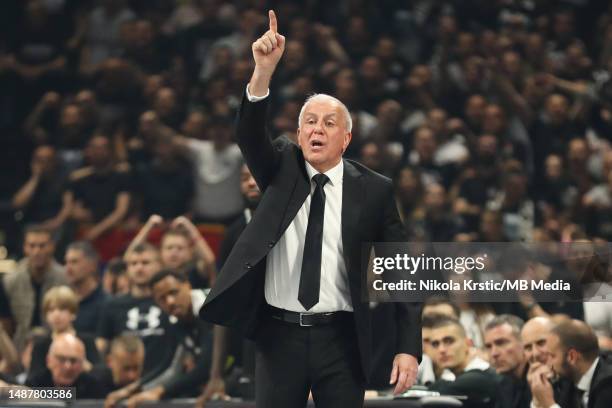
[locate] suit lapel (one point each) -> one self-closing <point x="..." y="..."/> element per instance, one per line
<point x="300" y="191"/>
<point x="352" y="200"/>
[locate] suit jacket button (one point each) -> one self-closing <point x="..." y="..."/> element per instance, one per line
<point x="271" y="244"/>
<point x="247" y="265"/>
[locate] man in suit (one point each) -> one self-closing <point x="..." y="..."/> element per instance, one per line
<point x="574" y="356"/>
<point x="502" y="339"/>
<point x="292" y="282"/>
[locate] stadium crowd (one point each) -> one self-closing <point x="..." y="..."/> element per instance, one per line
<point x="122" y="191"/>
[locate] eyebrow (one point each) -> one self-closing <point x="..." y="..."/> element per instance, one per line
<point x="324" y="116"/>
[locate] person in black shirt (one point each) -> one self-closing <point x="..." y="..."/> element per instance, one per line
<point x="82" y="274"/>
<point x="136" y="312"/>
<point x="65" y="368"/>
<point x="190" y="364"/>
<point x="100" y="191"/>
<point x="124" y="364"/>
<point x="165" y="184"/>
<point x="43" y="198"/>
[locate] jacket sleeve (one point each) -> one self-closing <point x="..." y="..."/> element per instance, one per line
<point x="256" y="145"/>
<point x="407" y="314"/>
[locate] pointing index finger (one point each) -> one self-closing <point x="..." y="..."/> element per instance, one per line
<point x="273" y="23"/>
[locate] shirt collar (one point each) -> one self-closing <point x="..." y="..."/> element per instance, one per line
<point x="335" y="173"/>
<point x="585" y="381"/>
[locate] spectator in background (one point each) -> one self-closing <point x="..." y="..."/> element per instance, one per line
<point x="409" y="196"/>
<point x="82" y="274"/>
<point x="43" y="199"/>
<point x="164" y="183"/>
<point x="60" y="307"/>
<point x="216" y="165"/>
<point x="124" y="363"/>
<point x="503" y="344"/>
<point x="37" y="55"/>
<point x="101" y="191"/>
<point x="65" y="368"/>
<point x="114" y="278"/>
<point x="34" y="275"/>
<point x="136" y="312"/>
<point x="183" y="249"/>
<point x="102" y="40"/>
<point x="574" y="357"/>
<point x="191" y="360"/>
<point x="467" y="374"/>
<point x="533" y="337"/>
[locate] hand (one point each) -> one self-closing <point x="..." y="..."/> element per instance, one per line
<point x="185" y="223"/>
<point x="155" y="221"/>
<point x="268" y="49"/>
<point x="404" y="372"/>
<point x="114" y="397"/>
<point x="154" y="394"/>
<point x="541" y="388"/>
<point x="214" y="389"/>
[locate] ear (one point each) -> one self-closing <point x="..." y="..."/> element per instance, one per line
<point x="297" y="137"/>
<point x="469" y="342"/>
<point x="347" y="139"/>
<point x="572" y="356"/>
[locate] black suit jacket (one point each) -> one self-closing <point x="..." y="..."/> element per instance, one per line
<point x="369" y="214"/>
<point x="600" y="394"/>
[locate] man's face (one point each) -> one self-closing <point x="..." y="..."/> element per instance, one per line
<point x="173" y="297"/>
<point x="248" y="186"/>
<point x="142" y="266"/>
<point x="65" y="364"/>
<point x="125" y="367"/>
<point x="534" y="338"/>
<point x="175" y="251"/>
<point x="322" y="135"/>
<point x="558" y="356"/>
<point x="38" y="248"/>
<point x="504" y="348"/>
<point x="450" y="347"/>
<point x="78" y="266"/>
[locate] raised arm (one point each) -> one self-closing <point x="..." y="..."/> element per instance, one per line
<point x="267" y="52"/>
<point x="255" y="144"/>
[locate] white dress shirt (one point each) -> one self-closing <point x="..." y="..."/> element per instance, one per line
<point x="284" y="262"/>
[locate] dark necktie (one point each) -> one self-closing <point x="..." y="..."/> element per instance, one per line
<point x="310" y="277"/>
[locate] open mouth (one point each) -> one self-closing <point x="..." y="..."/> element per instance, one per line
<point x="316" y="145"/>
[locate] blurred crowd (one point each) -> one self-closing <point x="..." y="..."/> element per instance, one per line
<point x="493" y="118"/>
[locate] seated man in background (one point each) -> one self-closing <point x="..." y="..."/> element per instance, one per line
<point x="124" y="364"/>
<point x="503" y="344"/>
<point x="465" y="374"/>
<point x="65" y="368"/>
<point x="190" y="364"/>
<point x="574" y="356"/>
